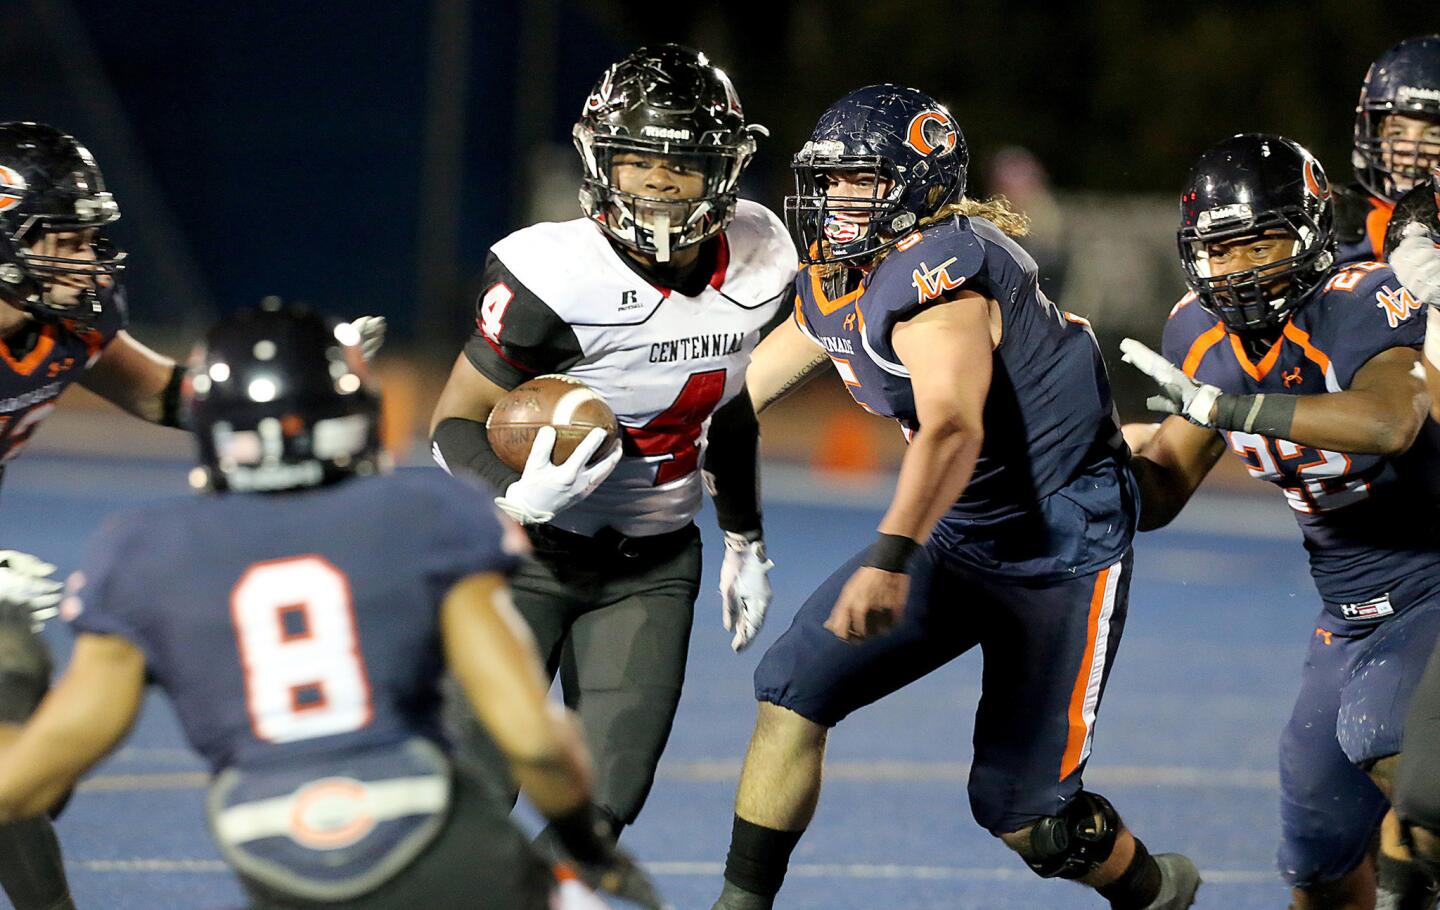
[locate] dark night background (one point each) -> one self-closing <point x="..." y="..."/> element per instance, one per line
<point x="269" y="147"/>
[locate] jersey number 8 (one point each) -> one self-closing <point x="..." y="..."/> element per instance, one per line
<point x="304" y="676"/>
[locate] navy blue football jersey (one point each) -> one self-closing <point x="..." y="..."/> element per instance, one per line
<point x="1050" y="424"/>
<point x="32" y="379"/>
<point x="1368" y="520"/>
<point x="296" y="624"/>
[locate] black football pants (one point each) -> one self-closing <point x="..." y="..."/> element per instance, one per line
<point x="1417" y="789"/>
<point x="616" y="626"/>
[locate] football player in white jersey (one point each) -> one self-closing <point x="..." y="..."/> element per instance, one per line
<point x="654" y="299"/>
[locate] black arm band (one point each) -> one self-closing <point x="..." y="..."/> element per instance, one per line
<point x="170" y="398"/>
<point x="890" y="553"/>
<point x="732" y="465"/>
<point x="464" y="446"/>
<point x="1268" y="415"/>
<point x="582" y="834"/>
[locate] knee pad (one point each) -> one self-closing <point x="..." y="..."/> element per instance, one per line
<point x="1074" y="843"/>
<point x="24" y="670"/>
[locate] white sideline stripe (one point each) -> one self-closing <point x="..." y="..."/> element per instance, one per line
<point x="727" y="771"/>
<point x="682" y="869"/>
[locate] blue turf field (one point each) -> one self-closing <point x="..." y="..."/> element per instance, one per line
<point x="1185" y="746"/>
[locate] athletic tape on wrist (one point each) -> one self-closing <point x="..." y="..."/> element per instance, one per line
<point x="890" y="552"/>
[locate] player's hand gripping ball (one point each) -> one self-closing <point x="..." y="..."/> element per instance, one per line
<point x="545" y="419"/>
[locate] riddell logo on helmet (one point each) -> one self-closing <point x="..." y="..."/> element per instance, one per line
<point x="1408" y="93"/>
<point x="12" y="188"/>
<point x="930" y="130"/>
<point x="664" y="132"/>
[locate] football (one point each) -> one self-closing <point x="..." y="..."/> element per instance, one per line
<point x="568" y="405"/>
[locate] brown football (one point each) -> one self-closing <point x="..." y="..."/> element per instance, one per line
<point x="568" y="405"/>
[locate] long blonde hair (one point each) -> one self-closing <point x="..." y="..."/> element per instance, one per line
<point x="995" y="210"/>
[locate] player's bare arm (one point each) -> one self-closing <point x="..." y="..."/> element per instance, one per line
<point x="468" y="395"/>
<point x="81" y="719"/>
<point x="781" y="364"/>
<point x="947" y="348"/>
<point x="492" y="654"/>
<point x="1380" y="413"/>
<point x="1169" y="467"/>
<point x="134" y="378"/>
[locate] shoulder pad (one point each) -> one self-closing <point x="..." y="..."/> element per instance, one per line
<point x="1352" y="206"/>
<point x="939" y="259"/>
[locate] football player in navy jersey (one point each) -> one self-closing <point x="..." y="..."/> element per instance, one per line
<point x="62" y="321"/>
<point x="654" y="299"/>
<point x="1305" y="370"/>
<point x="1011" y="524"/>
<point x="304" y="664"/>
<point x="1396" y="141"/>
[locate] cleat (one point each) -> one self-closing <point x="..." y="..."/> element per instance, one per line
<point x="1179" y="880"/>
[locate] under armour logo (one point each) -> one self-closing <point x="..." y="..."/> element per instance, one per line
<point x="1292" y="377"/>
<point x="850" y="322"/>
<point x="1327" y="635"/>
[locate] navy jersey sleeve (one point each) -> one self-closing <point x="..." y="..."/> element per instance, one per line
<point x="95" y="601"/>
<point x="517" y="336"/>
<point x="467" y="534"/>
<point x="1366" y="312"/>
<point x="945" y="258"/>
<point x="1182" y="328"/>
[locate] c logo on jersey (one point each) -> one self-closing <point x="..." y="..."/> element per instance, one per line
<point x="1316" y="183"/>
<point x="12" y="188"/>
<point x="931" y="130"/>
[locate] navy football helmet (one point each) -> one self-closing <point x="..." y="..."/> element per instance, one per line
<point x="279" y="399"/>
<point x="906" y="141"/>
<point x="666" y="101"/>
<point x="1249" y="186"/>
<point x="1404" y="80"/>
<point x="49" y="183"/>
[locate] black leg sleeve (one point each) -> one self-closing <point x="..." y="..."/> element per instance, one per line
<point x="1417" y="789"/>
<point x="732" y="465"/>
<point x="31" y="869"/>
<point x="462" y="445"/>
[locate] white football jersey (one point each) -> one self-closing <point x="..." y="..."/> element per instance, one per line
<point x="559" y="298"/>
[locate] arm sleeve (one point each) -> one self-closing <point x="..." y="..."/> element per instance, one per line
<point x="464" y="445"/>
<point x="517" y="335"/>
<point x="732" y="465"/>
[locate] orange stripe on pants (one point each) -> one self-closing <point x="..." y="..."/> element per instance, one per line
<point x="1075" y="742"/>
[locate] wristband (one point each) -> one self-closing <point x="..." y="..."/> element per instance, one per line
<point x="170" y="398"/>
<point x="1268" y="415"/>
<point x="890" y="552"/>
<point x="581" y="833"/>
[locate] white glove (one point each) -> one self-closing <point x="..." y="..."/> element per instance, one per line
<point x="1179" y="393"/>
<point x="744" y="588"/>
<point x="372" y="335"/>
<point x="545" y="489"/>
<point x="1416" y="261"/>
<point x="25" y="584"/>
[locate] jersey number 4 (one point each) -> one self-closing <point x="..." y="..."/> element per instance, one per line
<point x="295" y="626"/>
<point x="674" y="433"/>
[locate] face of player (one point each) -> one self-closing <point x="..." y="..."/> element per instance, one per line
<point x="853" y="217"/>
<point x="1245" y="253"/>
<point x="1410" y="145"/>
<point x="79" y="246"/>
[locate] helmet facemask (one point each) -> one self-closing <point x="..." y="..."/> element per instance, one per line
<point x="1262" y="297"/>
<point x="657" y="226"/>
<point x="833" y="228"/>
<point x="34" y="263"/>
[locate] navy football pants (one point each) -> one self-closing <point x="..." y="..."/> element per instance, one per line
<point x="1048" y="649"/>
<point x="1354" y="694"/>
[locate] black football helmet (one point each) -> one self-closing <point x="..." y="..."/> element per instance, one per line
<point x="280" y="399"/>
<point x="1404" y="80"/>
<point x="1247" y="186"/>
<point x="672" y="101"/>
<point x="900" y="135"/>
<point x="50" y="183"/>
